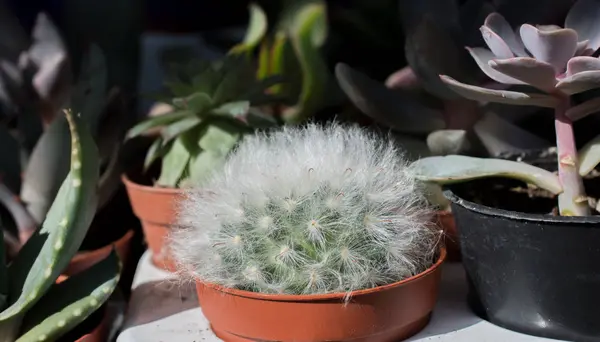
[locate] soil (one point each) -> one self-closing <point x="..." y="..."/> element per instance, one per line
<point x="514" y="195"/>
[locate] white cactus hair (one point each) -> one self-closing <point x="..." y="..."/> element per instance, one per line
<point x="307" y="210"/>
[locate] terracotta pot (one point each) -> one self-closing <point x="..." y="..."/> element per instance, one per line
<point x="383" y="314"/>
<point x="155" y="207"/>
<point x="445" y="220"/>
<point x="86" y="259"/>
<point x="99" y="334"/>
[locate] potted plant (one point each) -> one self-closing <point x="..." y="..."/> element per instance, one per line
<point x="529" y="250"/>
<point x="33" y="307"/>
<point x="323" y="231"/>
<point x="214" y="104"/>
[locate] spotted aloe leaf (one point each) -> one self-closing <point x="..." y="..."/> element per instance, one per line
<point x="257" y="28"/>
<point x="51" y="248"/>
<point x="455" y="169"/>
<point x="394" y="109"/>
<point x="589" y="156"/>
<point x="69" y="303"/>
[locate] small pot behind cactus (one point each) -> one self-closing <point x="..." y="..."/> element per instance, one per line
<point x="309" y="227"/>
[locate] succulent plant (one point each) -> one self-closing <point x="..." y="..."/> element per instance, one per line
<point x="307" y="210"/>
<point x="551" y="68"/>
<point x="32" y="306"/>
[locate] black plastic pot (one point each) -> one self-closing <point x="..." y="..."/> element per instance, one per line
<point x="532" y="273"/>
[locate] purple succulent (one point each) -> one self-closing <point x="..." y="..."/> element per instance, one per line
<point x="555" y="60"/>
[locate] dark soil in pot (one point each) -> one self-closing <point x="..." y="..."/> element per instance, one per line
<point x="529" y="270"/>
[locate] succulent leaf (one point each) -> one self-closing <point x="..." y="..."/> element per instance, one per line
<point x="394" y="109"/>
<point x="69" y="303"/>
<point x="447" y="141"/>
<point x="89" y="93"/>
<point x="583" y="109"/>
<point x="483" y="57"/>
<point x="583" y="18"/>
<point x="589" y="156"/>
<point x="155" y="151"/>
<point x="455" y="169"/>
<point x="500" y="96"/>
<point x="174" y="163"/>
<point x="554" y="47"/>
<point x="52" y="247"/>
<point x="157" y="121"/>
<point x="498" y="47"/>
<point x="179" y="127"/>
<point x="581" y="64"/>
<point x="197" y="103"/>
<point x="257" y="28"/>
<point x="579" y="82"/>
<point x="528" y="70"/>
<point x="496" y="23"/>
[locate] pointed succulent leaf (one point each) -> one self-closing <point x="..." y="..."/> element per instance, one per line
<point x="502" y="30"/>
<point x="589" y="156"/>
<point x="260" y="120"/>
<point x="579" y="82"/>
<point x="70" y="302"/>
<point x="528" y="70"/>
<point x="238" y="109"/>
<point x="583" y="49"/>
<point x="238" y="77"/>
<point x="308" y="32"/>
<point x="482" y="57"/>
<point x="155" y="151"/>
<point x="157" y="121"/>
<point x="202" y="165"/>
<point x="553" y="47"/>
<point x="447" y="141"/>
<point x="500" y="96"/>
<point x="174" y="164"/>
<point x="499" y="48"/>
<point x="584" y="109"/>
<point x="394" y="109"/>
<point x="179" y="127"/>
<point x="582" y="63"/>
<point x="220" y="136"/>
<point x="197" y="103"/>
<point x="257" y="28"/>
<point x="583" y="18"/>
<point x="51" y="248"/>
<point x="455" y="169"/>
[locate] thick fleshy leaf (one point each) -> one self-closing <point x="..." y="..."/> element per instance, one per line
<point x="455" y="169"/>
<point x="495" y="43"/>
<point x="528" y="70"/>
<point x="583" y="18"/>
<point x="392" y="108"/>
<point x="174" y="164"/>
<point x="257" y="28"/>
<point x="553" y="47"/>
<point x="589" y="156"/>
<point x="482" y="57"/>
<point x="157" y="121"/>
<point x="500" y="136"/>
<point x="580" y="82"/>
<point x="498" y="25"/>
<point x="500" y="96"/>
<point x="583" y="109"/>
<point x="447" y="141"/>
<point x="583" y="49"/>
<point x="581" y="64"/>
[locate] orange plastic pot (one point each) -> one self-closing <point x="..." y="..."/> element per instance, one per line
<point x="445" y="220"/>
<point x="387" y="313"/>
<point x="155" y="207"/>
<point x="86" y="259"/>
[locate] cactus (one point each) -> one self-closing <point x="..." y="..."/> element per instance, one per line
<point x="307" y="210"/>
<point x="34" y="307"/>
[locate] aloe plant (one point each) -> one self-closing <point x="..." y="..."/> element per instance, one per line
<point x="553" y="63"/>
<point x="33" y="307"/>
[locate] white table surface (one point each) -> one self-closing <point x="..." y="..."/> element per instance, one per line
<point x="162" y="310"/>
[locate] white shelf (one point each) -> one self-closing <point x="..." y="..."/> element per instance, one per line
<point x="161" y="309"/>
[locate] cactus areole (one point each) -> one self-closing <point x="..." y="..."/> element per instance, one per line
<point x="553" y="63"/>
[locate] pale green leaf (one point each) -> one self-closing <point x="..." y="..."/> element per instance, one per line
<point x="174" y="163"/>
<point x="589" y="156"/>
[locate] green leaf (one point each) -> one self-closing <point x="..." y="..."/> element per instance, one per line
<point x="69" y="303"/>
<point x="174" y="163"/>
<point x="177" y="128"/>
<point x="220" y="136"/>
<point x="257" y="28"/>
<point x="455" y="169"/>
<point x="51" y="248"/>
<point x="589" y="156"/>
<point x="197" y="103"/>
<point x="233" y="109"/>
<point x="155" y="151"/>
<point x="157" y="121"/>
<point x="203" y="165"/>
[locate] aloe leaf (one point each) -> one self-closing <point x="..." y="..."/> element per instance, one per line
<point x="69" y="303"/>
<point x="257" y="28"/>
<point x="455" y="169"/>
<point x="157" y="121"/>
<point x="499" y="96"/>
<point x="394" y="109"/>
<point x="589" y="156"/>
<point x="174" y="163"/>
<point x="51" y="248"/>
<point x="307" y="33"/>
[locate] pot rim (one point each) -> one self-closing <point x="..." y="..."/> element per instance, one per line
<point x="520" y="216"/>
<point x="327" y="296"/>
<point x="147" y="188"/>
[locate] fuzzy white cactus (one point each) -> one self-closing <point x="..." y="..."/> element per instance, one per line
<point x="307" y="211"/>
